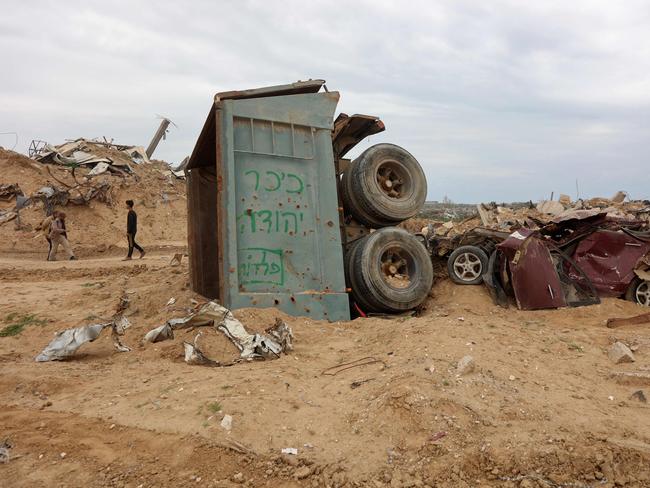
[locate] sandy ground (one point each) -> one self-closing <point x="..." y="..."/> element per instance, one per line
<point x="542" y="408"/>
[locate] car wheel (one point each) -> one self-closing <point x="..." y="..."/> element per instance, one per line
<point x="383" y="186"/>
<point x="466" y="265"/>
<point x="389" y="271"/>
<point x="639" y="292"/>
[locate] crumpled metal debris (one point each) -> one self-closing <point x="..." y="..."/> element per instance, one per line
<point x="277" y="339"/>
<point x="7" y="192"/>
<point x="159" y="334"/>
<point x="85" y="152"/>
<point x="193" y="354"/>
<point x="67" y="342"/>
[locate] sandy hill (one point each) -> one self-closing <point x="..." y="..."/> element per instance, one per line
<point x="98" y="226"/>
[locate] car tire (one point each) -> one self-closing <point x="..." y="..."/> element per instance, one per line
<point x="385" y="185"/>
<point x="467" y="265"/>
<point x="389" y="271"/>
<point x="639" y="292"/>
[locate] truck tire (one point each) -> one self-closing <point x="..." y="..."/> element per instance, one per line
<point x="389" y="271"/>
<point x="383" y="186"/>
<point x="639" y="292"/>
<point x="466" y="265"/>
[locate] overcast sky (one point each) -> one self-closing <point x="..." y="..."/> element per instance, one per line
<point x="498" y="100"/>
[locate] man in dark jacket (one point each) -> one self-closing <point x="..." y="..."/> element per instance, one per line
<point x="131" y="230"/>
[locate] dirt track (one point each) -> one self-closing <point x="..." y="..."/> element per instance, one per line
<point x="536" y="412"/>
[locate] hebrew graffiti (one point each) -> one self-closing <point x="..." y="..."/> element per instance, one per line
<point x="261" y="265"/>
<point x="270" y="221"/>
<point x="275" y="181"/>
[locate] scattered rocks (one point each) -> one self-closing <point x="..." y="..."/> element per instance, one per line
<point x="620" y="353"/>
<point x="466" y="365"/>
<point x="238" y="477"/>
<point x="639" y="395"/>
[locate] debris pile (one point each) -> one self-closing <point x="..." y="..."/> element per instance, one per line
<point x="554" y="254"/>
<point x="276" y="340"/>
<point x="32" y="189"/>
<point x="99" y="156"/>
<point x="508" y="219"/>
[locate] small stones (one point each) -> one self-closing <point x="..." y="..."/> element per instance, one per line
<point x="620" y="353"/>
<point x="63" y="455"/>
<point x="466" y="365"/>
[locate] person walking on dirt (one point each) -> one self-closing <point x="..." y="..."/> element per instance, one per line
<point x="59" y="236"/>
<point x="131" y="230"/>
<point x="45" y="227"/>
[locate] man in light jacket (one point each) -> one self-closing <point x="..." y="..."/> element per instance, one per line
<point x="58" y="236"/>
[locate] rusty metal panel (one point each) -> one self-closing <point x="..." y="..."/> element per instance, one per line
<point x="202" y="230"/>
<point x="535" y="281"/>
<point x="279" y="239"/>
<point x="309" y="86"/>
<point x="608" y="259"/>
<point x="350" y="131"/>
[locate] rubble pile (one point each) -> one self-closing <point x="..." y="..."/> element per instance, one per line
<point x="99" y="156"/>
<point x="91" y="181"/>
<point x="534" y="217"/>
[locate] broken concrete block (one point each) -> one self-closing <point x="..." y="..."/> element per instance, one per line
<point x="565" y="200"/>
<point x="639" y="395"/>
<point x="226" y="422"/>
<point x="620" y="353"/>
<point x="466" y="365"/>
<point x="550" y="207"/>
<point x="618" y="197"/>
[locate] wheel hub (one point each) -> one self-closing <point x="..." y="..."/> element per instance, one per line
<point x="391" y="179"/>
<point x="395" y="269"/>
<point x="468" y="266"/>
<point x="642" y="294"/>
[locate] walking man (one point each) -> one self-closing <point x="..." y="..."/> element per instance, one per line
<point x="131" y="230"/>
<point x="45" y="227"/>
<point x="58" y="236"/>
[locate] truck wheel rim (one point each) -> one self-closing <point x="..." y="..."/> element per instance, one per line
<point x="393" y="179"/>
<point x="642" y="294"/>
<point x="468" y="266"/>
<point x="397" y="268"/>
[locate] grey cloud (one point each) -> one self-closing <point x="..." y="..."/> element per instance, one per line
<point x="499" y="101"/>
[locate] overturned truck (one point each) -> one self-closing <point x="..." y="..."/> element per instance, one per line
<point x="277" y="217"/>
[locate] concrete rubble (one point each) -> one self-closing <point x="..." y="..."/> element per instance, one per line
<point x="535" y="216"/>
<point x="620" y="353"/>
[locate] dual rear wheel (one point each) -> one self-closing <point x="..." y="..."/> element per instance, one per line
<point x="389" y="271"/>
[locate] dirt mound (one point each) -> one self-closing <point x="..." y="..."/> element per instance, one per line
<point x="98" y="226"/>
<point x="542" y="407"/>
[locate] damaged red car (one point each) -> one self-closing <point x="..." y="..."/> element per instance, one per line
<point x="573" y="261"/>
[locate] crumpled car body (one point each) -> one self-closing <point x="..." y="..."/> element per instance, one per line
<point x="569" y="263"/>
